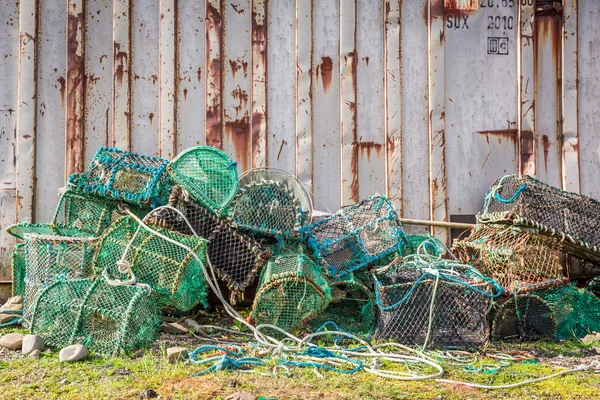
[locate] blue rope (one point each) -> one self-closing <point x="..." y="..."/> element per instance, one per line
<point x="319" y="352"/>
<point x="228" y="361"/>
<point x="15" y="321"/>
<point x="513" y="197"/>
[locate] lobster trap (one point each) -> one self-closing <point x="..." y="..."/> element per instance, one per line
<point x="356" y="236"/>
<point x="291" y="290"/>
<point x="235" y="257"/>
<point x="525" y="201"/>
<point x="519" y="259"/>
<point x="208" y="174"/>
<point x="122" y="175"/>
<point x="267" y="208"/>
<point x="427" y="306"/>
<point x="50" y="258"/>
<point x="128" y="252"/>
<point x="106" y="319"/>
<point x="522" y="317"/>
<point x="17" y="263"/>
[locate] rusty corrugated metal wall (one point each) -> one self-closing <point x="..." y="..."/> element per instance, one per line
<point x="427" y="101"/>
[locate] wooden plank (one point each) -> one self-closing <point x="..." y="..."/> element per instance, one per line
<point x="168" y="78"/>
<point x="121" y="111"/>
<point x="570" y="132"/>
<point x="304" y="73"/>
<point x="258" y="115"/>
<point x="191" y="66"/>
<point x="214" y="67"/>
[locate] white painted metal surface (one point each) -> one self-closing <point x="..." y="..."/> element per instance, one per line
<point x="428" y="101"/>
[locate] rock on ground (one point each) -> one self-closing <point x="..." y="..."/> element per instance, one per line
<point x="241" y="396"/>
<point x="174" y="328"/>
<point x="12" y="341"/>
<point x="31" y="343"/>
<point x="175" y="354"/>
<point x="73" y="353"/>
<point x="35" y="354"/>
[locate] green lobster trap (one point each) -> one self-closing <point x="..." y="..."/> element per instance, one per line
<point x="106" y="319"/>
<point x="17" y="262"/>
<point x="122" y="175"/>
<point x="235" y="257"/>
<point x="51" y="258"/>
<point x="128" y="252"/>
<point x="356" y="236"/>
<point x="208" y="174"/>
<point x="519" y="259"/>
<point x="291" y="290"/>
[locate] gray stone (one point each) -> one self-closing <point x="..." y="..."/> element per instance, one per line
<point x="241" y="396"/>
<point x="174" y="328"/>
<point x="194" y="326"/>
<point x="148" y="394"/>
<point x="12" y="341"/>
<point x="35" y="354"/>
<point x="73" y="353"/>
<point x="175" y="354"/>
<point x="31" y="343"/>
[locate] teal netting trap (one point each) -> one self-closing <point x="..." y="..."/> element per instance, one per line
<point x="208" y="174"/>
<point x="122" y="175"/>
<point x="356" y="236"/>
<point x="107" y="319"/>
<point x="51" y="258"/>
<point x="429" y="301"/>
<point x="267" y="208"/>
<point x="291" y="291"/>
<point x="17" y="263"/>
<point x="235" y="256"/>
<point x="526" y="201"/>
<point x="128" y="253"/>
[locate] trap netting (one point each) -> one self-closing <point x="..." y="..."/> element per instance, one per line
<point x="128" y="252"/>
<point x="522" y="317"/>
<point x="207" y="174"/>
<point x="356" y="236"/>
<point x="519" y="259"/>
<point x="122" y="175"/>
<point x="291" y="290"/>
<point x="51" y="258"/>
<point x="416" y="243"/>
<point x="17" y="262"/>
<point x="266" y="208"/>
<point x="351" y="309"/>
<point x="593" y="286"/>
<point x="577" y="311"/>
<point x="106" y="319"/>
<point x="427" y="301"/>
<point x="525" y="201"/>
<point x="235" y="257"/>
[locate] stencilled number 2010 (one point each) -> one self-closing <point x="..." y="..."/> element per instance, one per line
<point x="501" y="22"/>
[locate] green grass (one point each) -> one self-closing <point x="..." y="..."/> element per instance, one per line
<point x="113" y="378"/>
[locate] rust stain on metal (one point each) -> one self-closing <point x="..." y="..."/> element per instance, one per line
<point x="121" y="59"/>
<point x="437" y="9"/>
<point x="257" y="119"/>
<point x="62" y="85"/>
<point x="106" y="127"/>
<point x="199" y="74"/>
<point x="185" y="94"/>
<point x="510" y="134"/>
<point x="235" y="65"/>
<point x="546" y="145"/>
<point x="283" y="142"/>
<point x="461" y="7"/>
<point x="237" y="9"/>
<point x="150" y="117"/>
<point x="102" y="57"/>
<point x="214" y="133"/>
<point x="240" y="95"/>
<point x="368" y="147"/>
<point x="527" y="151"/>
<point x="239" y="132"/>
<point x="75" y="94"/>
<point x="325" y="70"/>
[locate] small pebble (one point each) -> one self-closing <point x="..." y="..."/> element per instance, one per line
<point x="175" y="354"/>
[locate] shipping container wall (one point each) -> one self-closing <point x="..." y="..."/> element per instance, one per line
<point x="426" y="101"/>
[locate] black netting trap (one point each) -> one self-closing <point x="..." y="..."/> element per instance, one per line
<point x="356" y="235"/>
<point x="291" y="291"/>
<point x="235" y="256"/>
<point x="525" y="201"/>
<point x="107" y="319"/>
<point x="122" y="175"/>
<point x="425" y="304"/>
<point x="128" y="252"/>
<point x="522" y="317"/>
<point x="519" y="259"/>
<point x="50" y="258"/>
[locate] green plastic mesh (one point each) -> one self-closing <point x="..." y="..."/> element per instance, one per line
<point x="356" y="236"/>
<point x="207" y="174"/>
<point x="577" y="311"/>
<point x="18" y="270"/>
<point x="417" y="309"/>
<point x="106" y="319"/>
<point x="267" y="208"/>
<point x="523" y="317"/>
<point x="50" y="258"/>
<point x="351" y="309"/>
<point x="423" y="243"/>
<point x="291" y="290"/>
<point x="525" y="201"/>
<point x="235" y="257"/>
<point x="520" y="260"/>
<point x="126" y="176"/>
<point x="170" y="270"/>
<point x="593" y="286"/>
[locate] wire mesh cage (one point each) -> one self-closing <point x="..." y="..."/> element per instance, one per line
<point x="208" y="174"/>
<point x="51" y="258"/>
<point x="235" y="257"/>
<point x="520" y="260"/>
<point x="577" y="311"/>
<point x="356" y="236"/>
<point x="267" y="208"/>
<point x="106" y="319"/>
<point x="291" y="291"/>
<point x="122" y="175"/>
<point x="522" y="317"/>
<point x="17" y="263"/>
<point x="128" y="252"/>
<point x="351" y="309"/>
<point x="526" y="201"/>
<point x="432" y="307"/>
